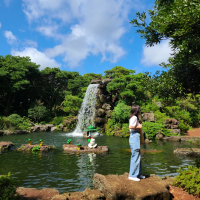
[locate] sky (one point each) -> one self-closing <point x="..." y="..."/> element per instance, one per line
<point x="86" y="36"/>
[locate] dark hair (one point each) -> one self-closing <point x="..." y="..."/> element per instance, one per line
<point x="135" y="111"/>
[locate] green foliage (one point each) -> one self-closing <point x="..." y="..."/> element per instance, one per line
<point x="151" y="129"/>
<point x="177" y="21"/>
<point x="126" y="85"/>
<point x="37" y="112"/>
<point x="17" y="122"/>
<point x="121" y="113"/>
<point x="188" y="179"/>
<point x="160" y="117"/>
<point x="179" y="114"/>
<point x="118" y="72"/>
<point x="7" y="188"/>
<point x="149" y="107"/>
<point x="72" y="105"/>
<point x="58" y="120"/>
<point x="36" y="148"/>
<point x="184" y="127"/>
<point x="119" y="120"/>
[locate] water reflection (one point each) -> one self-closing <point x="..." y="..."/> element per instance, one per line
<point x="74" y="172"/>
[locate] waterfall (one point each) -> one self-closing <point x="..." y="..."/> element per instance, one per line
<point x="87" y="111"/>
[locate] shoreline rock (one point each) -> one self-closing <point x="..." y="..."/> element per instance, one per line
<point x="85" y="149"/>
<point x="110" y="187"/>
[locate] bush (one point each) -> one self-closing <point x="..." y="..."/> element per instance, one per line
<point x="189" y="180"/>
<point x="57" y="120"/>
<point x="37" y="112"/>
<point x="184" y="127"/>
<point x="121" y="113"/>
<point x="17" y="122"/>
<point x="151" y="129"/>
<point x="149" y="107"/>
<point x="7" y="188"/>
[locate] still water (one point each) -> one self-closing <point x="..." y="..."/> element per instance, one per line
<point x="74" y="172"/>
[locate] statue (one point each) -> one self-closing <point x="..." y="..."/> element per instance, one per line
<point x="92" y="143"/>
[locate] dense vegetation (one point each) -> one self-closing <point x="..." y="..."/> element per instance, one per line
<point x="8" y="188"/>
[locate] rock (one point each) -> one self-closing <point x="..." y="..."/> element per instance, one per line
<point x="53" y="129"/>
<point x="59" y="197"/>
<point x="106" y="106"/>
<point x="6" y="145"/>
<point x="118" y="187"/>
<point x="108" y="113"/>
<point x="177" y="131"/>
<point x="92" y="194"/>
<point x="4" y="132"/>
<point x="84" y="149"/>
<point x="106" y="81"/>
<point x="193" y="152"/>
<point x="27" y="147"/>
<point x="95" y="81"/>
<point x="147" y="141"/>
<point x="100" y="112"/>
<point x="32" y="193"/>
<point x="41" y="128"/>
<point x="148" y="117"/>
<point x="101" y="86"/>
<point x="61" y="126"/>
<point x="74" y="196"/>
<point x="159" y="136"/>
<point x="104" y="98"/>
<point x="99" y="120"/>
<point x="173" y="138"/>
<point x="19" y="132"/>
<point x="159" y="104"/>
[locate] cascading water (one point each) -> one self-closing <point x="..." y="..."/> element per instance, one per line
<point x="87" y="111"/>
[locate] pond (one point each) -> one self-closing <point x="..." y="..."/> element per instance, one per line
<point x="74" y="172"/>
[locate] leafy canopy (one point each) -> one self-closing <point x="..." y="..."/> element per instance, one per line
<point x="178" y="21"/>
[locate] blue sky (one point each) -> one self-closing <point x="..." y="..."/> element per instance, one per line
<point x="88" y="36"/>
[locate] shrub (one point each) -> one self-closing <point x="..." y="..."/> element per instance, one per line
<point x="57" y="120"/>
<point x="184" y="127"/>
<point x="189" y="180"/>
<point x="121" y="113"/>
<point x="37" y="112"/>
<point x="7" y="188"/>
<point x="149" y="107"/>
<point x="151" y="129"/>
<point x="17" y="122"/>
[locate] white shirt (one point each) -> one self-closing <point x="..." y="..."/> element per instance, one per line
<point x="133" y="121"/>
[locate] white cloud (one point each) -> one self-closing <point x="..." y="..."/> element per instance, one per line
<point x="84" y="27"/>
<point x="31" y="43"/>
<point x="0" y="25"/>
<point x="10" y="37"/>
<point x="156" y="54"/>
<point x="37" y="57"/>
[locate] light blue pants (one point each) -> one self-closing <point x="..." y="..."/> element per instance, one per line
<point x="135" y="164"/>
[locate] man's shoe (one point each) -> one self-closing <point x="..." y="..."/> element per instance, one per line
<point x="141" y="177"/>
<point x="134" y="179"/>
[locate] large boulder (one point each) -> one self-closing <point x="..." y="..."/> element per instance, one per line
<point x="148" y="117"/>
<point x="192" y="152"/>
<point x="104" y="98"/>
<point x="32" y="193"/>
<point x="100" y="112"/>
<point x="6" y="145"/>
<point x="99" y="120"/>
<point x="42" y="128"/>
<point x="117" y="187"/>
<point x="4" y="132"/>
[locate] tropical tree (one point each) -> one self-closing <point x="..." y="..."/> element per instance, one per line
<point x="72" y="105"/>
<point x="177" y="21"/>
<point x="17" y="77"/>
